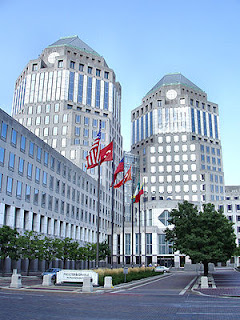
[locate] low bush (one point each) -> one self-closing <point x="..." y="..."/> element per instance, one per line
<point x="118" y="275"/>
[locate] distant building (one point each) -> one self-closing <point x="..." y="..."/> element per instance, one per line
<point x="62" y="96"/>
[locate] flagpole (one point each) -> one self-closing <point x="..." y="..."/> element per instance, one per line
<point x="139" y="242"/>
<point x="145" y="222"/>
<point x="113" y="169"/>
<point x="98" y="216"/>
<point x="132" y="221"/>
<point x="123" y="251"/>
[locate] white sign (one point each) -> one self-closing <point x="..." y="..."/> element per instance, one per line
<point x="76" y="276"/>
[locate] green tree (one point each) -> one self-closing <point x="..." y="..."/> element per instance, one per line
<point x="31" y="247"/>
<point x="90" y="252"/>
<point x="8" y="245"/>
<point x="66" y="250"/>
<point x="104" y="250"/>
<point x="51" y="247"/>
<point x="205" y="236"/>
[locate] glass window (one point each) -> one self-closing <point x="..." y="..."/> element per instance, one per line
<point x="81" y="66"/>
<point x="37" y="175"/>
<point x="30" y="110"/>
<point x="90" y="70"/>
<point x="149" y="243"/>
<point x="44" y="178"/>
<point x="106" y="75"/>
<point x="56" y="107"/>
<point x="39" y="109"/>
<point x="47" y="120"/>
<point x="86" y="121"/>
<point x="20" y="166"/>
<point x="77" y="118"/>
<point x="36" y="196"/>
<point x="65" y="118"/>
<point x="52" y="163"/>
<point x="1" y="176"/>
<point x="27" y="193"/>
<point x="31" y="149"/>
<point x="14" y="138"/>
<point x="2" y="154"/>
<point x="98" y="72"/>
<point x="4" y="131"/>
<point x="55" y="131"/>
<point x="23" y="144"/>
<point x="29" y="170"/>
<point x="89" y="91"/>
<point x="72" y="64"/>
<point x="19" y="190"/>
<point x="9" y="185"/>
<point x="48" y="108"/>
<point x="46" y="155"/>
<point x="39" y="154"/>
<point x="11" y="160"/>
<point x="60" y="63"/>
<point x="56" y="118"/>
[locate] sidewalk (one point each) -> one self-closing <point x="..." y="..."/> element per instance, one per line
<point x="36" y="285"/>
<point x="223" y="283"/>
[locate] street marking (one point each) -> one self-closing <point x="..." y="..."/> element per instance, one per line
<point x="187" y="287"/>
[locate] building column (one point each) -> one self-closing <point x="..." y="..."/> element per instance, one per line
<point x="78" y="233"/>
<point x="51" y="226"/>
<point x="20" y="219"/>
<point x="73" y="235"/>
<point x="63" y="231"/>
<point x="154" y="248"/>
<point x="10" y="218"/>
<point x="2" y="211"/>
<point x="57" y="231"/>
<point x="44" y="226"/>
<point x="36" y="223"/>
<point x="29" y="221"/>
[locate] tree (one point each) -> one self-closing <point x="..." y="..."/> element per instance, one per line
<point x="31" y="247"/>
<point x="205" y="236"/>
<point x="104" y="250"/>
<point x="8" y="245"/>
<point x="51" y="247"/>
<point x="66" y="250"/>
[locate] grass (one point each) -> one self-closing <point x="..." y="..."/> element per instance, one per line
<point x="118" y="275"/>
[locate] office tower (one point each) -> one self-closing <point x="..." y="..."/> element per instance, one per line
<point x="62" y="96"/>
<point x="175" y="132"/>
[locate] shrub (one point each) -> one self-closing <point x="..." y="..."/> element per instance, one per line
<point x="118" y="275"/>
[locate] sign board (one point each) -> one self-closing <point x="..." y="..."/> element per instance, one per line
<point x="76" y="276"/>
<point x="125" y="270"/>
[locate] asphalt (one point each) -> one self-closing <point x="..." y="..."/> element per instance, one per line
<point x="225" y="282"/>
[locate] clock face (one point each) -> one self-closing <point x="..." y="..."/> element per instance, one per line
<point x="52" y="56"/>
<point x="171" y="94"/>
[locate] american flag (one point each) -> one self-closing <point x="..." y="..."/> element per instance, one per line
<point x="93" y="156"/>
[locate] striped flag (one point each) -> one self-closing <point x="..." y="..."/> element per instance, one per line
<point x="94" y="153"/>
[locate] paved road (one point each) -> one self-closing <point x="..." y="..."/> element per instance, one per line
<point x="159" y="299"/>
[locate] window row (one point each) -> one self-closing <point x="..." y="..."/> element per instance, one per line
<point x="82" y="68"/>
<point x="175" y="148"/>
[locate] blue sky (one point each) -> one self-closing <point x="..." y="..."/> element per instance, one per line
<point x="141" y="41"/>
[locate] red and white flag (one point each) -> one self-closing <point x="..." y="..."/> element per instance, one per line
<point x="94" y="154"/>
<point x="106" y="154"/>
<point x="127" y="177"/>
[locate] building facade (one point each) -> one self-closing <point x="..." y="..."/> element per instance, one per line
<point x="62" y="96"/>
<point x="42" y="191"/>
<point x="175" y="133"/>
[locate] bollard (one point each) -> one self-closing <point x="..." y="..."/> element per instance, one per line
<point x="47" y="280"/>
<point x="16" y="280"/>
<point x="87" y="285"/>
<point x="107" y="282"/>
<point x="204" y="282"/>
